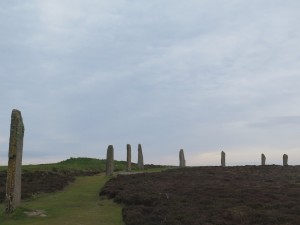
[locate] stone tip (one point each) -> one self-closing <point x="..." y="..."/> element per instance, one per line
<point x="16" y="112"/>
<point x="16" y="115"/>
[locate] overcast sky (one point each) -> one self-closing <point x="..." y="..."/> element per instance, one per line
<point x="202" y="75"/>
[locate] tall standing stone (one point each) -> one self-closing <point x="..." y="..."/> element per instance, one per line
<point x="285" y="160"/>
<point x="223" y="159"/>
<point x="110" y="161"/>
<point x="263" y="159"/>
<point x="181" y="158"/>
<point x="140" y="158"/>
<point x="14" y="169"/>
<point x="128" y="157"/>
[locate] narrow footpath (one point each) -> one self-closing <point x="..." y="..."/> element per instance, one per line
<point x="78" y="204"/>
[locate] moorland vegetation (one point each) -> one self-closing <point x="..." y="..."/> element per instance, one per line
<point x="247" y="195"/>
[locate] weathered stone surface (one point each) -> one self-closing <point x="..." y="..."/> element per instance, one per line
<point x="223" y="163"/>
<point x="14" y="169"/>
<point x="263" y="159"/>
<point x="128" y="157"/>
<point x="110" y="161"/>
<point x="140" y="158"/>
<point x="285" y="160"/>
<point x="181" y="158"/>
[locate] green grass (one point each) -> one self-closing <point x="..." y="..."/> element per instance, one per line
<point x="74" y="164"/>
<point x="78" y="204"/>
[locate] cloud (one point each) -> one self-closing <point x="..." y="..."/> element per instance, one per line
<point x="169" y="75"/>
<point x="287" y="121"/>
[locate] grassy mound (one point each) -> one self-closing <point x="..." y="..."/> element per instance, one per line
<point x="80" y="164"/>
<point x="77" y="164"/>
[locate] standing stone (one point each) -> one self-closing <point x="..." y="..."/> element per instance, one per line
<point x="140" y="158"/>
<point x="110" y="161"/>
<point x="263" y="159"/>
<point x="223" y="159"/>
<point x="181" y="158"/>
<point x="285" y="160"/>
<point x="14" y="169"/>
<point x="128" y="157"/>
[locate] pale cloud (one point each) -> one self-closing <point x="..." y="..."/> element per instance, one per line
<point x="168" y="75"/>
<point x="279" y="122"/>
<point x="66" y="26"/>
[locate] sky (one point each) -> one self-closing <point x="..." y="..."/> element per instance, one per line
<point x="200" y="75"/>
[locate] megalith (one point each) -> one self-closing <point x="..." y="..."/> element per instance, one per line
<point x="14" y="169"/>
<point x="285" y="160"/>
<point x="110" y="161"/>
<point x="128" y="157"/>
<point x="263" y="159"/>
<point x="181" y="158"/>
<point x="223" y="159"/>
<point x="140" y="158"/>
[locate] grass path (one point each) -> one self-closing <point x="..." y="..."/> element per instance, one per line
<point x="78" y="204"/>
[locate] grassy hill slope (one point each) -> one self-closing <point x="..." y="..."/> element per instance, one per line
<point x="74" y="164"/>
